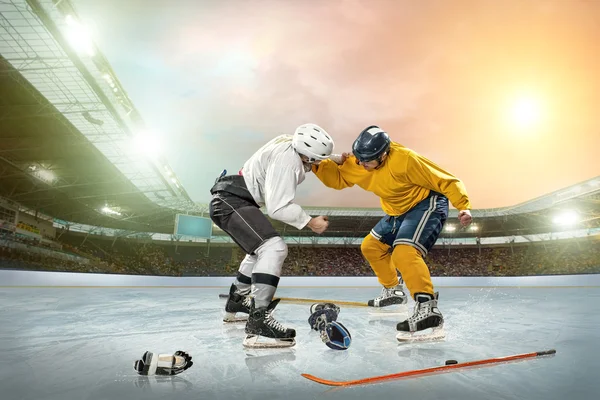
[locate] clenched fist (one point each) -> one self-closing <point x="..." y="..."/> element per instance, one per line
<point x="339" y="159"/>
<point x="464" y="217"/>
<point x="318" y="224"/>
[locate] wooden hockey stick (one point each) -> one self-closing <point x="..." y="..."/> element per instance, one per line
<point x="311" y="301"/>
<point x="418" y="372"/>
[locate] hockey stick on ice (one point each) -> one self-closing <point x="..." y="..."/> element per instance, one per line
<point x="418" y="372"/>
<point x="311" y="301"/>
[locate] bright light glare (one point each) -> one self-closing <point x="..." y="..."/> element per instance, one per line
<point x="473" y="228"/>
<point x="46" y="175"/>
<point x="43" y="174"/>
<point x="79" y="37"/>
<point x="450" y="228"/>
<point x="110" y="211"/>
<point x="566" y="218"/>
<point x="147" y="145"/>
<point x="526" y="112"/>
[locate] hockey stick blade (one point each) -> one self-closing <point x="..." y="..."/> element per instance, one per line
<point x="312" y="301"/>
<point x="418" y="372"/>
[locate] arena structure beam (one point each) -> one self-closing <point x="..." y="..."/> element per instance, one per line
<point x="83" y="88"/>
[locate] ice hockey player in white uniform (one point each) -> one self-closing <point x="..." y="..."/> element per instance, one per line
<point x="269" y="178"/>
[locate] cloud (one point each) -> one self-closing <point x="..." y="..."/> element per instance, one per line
<point x="218" y="79"/>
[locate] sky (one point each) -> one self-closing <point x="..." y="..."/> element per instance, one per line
<point x="504" y="94"/>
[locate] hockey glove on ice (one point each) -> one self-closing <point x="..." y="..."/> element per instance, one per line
<point x="321" y="314"/>
<point x="163" y="364"/>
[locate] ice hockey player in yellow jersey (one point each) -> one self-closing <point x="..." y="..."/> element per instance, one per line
<point x="414" y="193"/>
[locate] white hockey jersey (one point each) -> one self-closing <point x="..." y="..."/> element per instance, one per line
<point x="272" y="175"/>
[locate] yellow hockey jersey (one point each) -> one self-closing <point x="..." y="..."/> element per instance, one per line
<point x="404" y="179"/>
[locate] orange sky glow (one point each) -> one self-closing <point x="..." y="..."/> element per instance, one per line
<point x="504" y="94"/>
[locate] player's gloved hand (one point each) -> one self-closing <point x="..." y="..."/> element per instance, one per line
<point x="163" y="364"/>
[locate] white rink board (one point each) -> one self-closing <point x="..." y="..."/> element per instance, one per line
<point x="37" y="278"/>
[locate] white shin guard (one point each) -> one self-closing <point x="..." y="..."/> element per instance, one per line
<point x="267" y="270"/>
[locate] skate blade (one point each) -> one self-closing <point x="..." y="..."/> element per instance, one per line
<point x="252" y="341"/>
<point x="395" y="315"/>
<point x="432" y="336"/>
<point x="231" y="317"/>
<point x="252" y="352"/>
<point x="379" y="306"/>
<point x="398" y="310"/>
<point x="234" y="320"/>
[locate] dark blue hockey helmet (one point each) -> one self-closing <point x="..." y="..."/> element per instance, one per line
<point x="371" y="144"/>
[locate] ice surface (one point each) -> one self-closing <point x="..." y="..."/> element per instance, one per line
<point x="81" y="343"/>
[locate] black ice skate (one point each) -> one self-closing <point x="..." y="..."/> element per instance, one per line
<point x="262" y="324"/>
<point x="236" y="303"/>
<point x="426" y="323"/>
<point x="389" y="297"/>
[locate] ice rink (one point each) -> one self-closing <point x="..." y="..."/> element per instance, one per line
<point x="81" y="343"/>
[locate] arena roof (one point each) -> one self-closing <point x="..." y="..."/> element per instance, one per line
<point x="65" y="127"/>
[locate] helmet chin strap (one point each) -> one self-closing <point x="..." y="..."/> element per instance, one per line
<point x="379" y="160"/>
<point x="308" y="163"/>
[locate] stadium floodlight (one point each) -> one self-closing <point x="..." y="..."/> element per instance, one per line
<point x="109" y="211"/>
<point x="569" y="217"/>
<point x="474" y="228"/>
<point x="450" y="228"/>
<point x="46" y="175"/>
<point x="146" y="144"/>
<point x="79" y="37"/>
<point x="43" y="174"/>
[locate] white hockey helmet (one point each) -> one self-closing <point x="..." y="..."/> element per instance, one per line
<point x="312" y="141"/>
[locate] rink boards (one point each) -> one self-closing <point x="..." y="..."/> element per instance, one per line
<point x="10" y="278"/>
